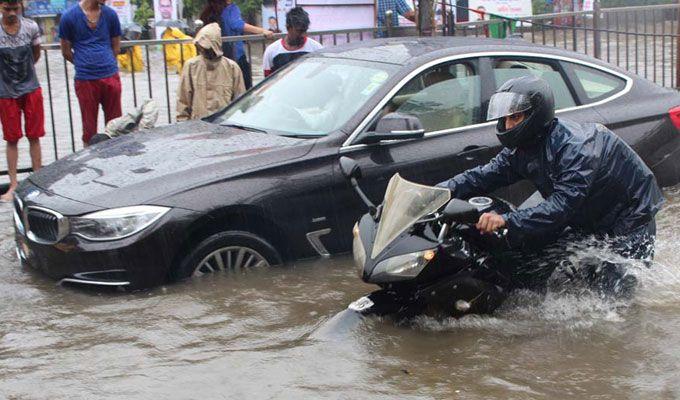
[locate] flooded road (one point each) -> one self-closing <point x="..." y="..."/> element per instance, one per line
<point x="282" y="333"/>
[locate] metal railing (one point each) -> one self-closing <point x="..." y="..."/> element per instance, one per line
<point x="642" y="39"/>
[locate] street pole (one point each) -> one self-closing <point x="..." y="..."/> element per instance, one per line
<point x="677" y="53"/>
<point x="388" y="22"/>
<point x="597" y="45"/>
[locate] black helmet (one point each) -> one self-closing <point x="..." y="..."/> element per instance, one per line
<point x="530" y="95"/>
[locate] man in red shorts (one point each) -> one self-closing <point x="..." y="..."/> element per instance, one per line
<point x="19" y="87"/>
<point x="90" y="39"/>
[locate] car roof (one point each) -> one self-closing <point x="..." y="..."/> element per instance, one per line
<point x="417" y="50"/>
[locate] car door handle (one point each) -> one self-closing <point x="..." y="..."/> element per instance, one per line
<point x="468" y="151"/>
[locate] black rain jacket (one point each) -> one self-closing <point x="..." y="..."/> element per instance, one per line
<point x="591" y="180"/>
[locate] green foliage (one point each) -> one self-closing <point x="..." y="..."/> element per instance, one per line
<point x="540" y="7"/>
<point x="250" y="9"/>
<point x="192" y="8"/>
<point x="144" y="11"/>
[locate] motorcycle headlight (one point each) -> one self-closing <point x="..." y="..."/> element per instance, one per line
<point x="405" y="265"/>
<point x="116" y="223"/>
<point x="358" y="250"/>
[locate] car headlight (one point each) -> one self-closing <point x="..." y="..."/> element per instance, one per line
<point x="116" y="223"/>
<point x="405" y="265"/>
<point x="358" y="250"/>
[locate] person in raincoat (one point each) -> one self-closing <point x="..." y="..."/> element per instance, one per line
<point x="141" y="118"/>
<point x="209" y="81"/>
<point x="594" y="185"/>
<point x="174" y="55"/>
<point x="130" y="57"/>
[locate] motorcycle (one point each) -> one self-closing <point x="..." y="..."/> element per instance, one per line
<point x="421" y="248"/>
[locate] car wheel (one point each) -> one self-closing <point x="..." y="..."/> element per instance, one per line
<point x="227" y="251"/>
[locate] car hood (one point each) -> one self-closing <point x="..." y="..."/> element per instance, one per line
<point x="148" y="165"/>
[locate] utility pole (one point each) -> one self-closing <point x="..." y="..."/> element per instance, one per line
<point x="677" y="56"/>
<point x="597" y="37"/>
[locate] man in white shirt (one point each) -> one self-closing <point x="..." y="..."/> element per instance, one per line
<point x="294" y="45"/>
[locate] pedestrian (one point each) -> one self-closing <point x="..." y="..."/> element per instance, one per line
<point x="209" y="81"/>
<point x="19" y="88"/>
<point x="398" y="7"/>
<point x="292" y="46"/>
<point x="176" y="55"/>
<point x="233" y="25"/>
<point x="212" y="12"/>
<point x="90" y="39"/>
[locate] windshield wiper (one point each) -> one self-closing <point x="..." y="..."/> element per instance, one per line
<point x="301" y="136"/>
<point x="245" y="128"/>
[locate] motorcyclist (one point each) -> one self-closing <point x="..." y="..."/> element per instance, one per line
<point x="593" y="184"/>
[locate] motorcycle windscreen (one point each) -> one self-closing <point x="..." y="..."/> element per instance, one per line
<point x="405" y="203"/>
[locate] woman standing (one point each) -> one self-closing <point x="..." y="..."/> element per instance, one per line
<point x="228" y="16"/>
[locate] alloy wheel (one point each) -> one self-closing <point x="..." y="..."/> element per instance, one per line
<point x="232" y="258"/>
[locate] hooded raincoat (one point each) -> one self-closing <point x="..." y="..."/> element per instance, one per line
<point x="206" y="86"/>
<point x="176" y="56"/>
<point x="131" y="59"/>
<point x="591" y="180"/>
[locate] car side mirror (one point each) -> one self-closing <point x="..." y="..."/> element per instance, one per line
<point x="395" y="126"/>
<point x="350" y="168"/>
<point x="461" y="211"/>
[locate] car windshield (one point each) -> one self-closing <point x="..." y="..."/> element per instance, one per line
<point x="405" y="203"/>
<point x="311" y="98"/>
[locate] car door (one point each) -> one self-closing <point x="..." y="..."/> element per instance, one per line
<point x="636" y="110"/>
<point x="447" y="98"/>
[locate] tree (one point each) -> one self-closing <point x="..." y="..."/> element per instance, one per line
<point x="426" y="18"/>
<point x="144" y="12"/>
<point x="250" y="9"/>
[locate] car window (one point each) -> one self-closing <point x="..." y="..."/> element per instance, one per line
<point x="506" y="69"/>
<point x="442" y="97"/>
<point x="597" y="84"/>
<point x="313" y="97"/>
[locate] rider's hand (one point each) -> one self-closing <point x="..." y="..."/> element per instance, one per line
<point x="267" y="33"/>
<point x="490" y="222"/>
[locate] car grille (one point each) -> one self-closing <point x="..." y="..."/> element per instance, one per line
<point x="43" y="225"/>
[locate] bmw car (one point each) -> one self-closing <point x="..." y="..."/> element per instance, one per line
<point x="258" y="183"/>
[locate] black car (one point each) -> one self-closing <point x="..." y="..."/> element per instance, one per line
<point x="258" y="183"/>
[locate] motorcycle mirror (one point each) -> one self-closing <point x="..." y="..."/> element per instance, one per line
<point x="461" y="211"/>
<point x="350" y="168"/>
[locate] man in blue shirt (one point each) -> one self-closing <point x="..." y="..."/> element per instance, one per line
<point x="233" y="25"/>
<point x="90" y="39"/>
<point x="398" y="7"/>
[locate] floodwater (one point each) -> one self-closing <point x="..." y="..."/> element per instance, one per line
<point x="282" y="333"/>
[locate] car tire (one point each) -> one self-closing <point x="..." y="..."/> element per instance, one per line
<point x="231" y="250"/>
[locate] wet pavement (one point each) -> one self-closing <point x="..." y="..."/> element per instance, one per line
<point x="282" y="333"/>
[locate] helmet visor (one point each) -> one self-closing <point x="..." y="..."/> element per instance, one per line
<point x="507" y="103"/>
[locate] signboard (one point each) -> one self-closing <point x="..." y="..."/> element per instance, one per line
<point x="506" y="8"/>
<point x="38" y="8"/>
<point x="324" y="15"/>
<point x="164" y="10"/>
<point x="275" y="20"/>
<point x="123" y="9"/>
<point x="587" y="5"/>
